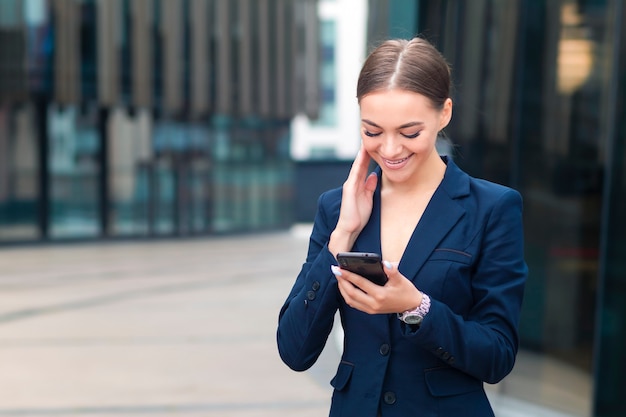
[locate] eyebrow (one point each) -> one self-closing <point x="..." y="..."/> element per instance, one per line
<point x="404" y="126"/>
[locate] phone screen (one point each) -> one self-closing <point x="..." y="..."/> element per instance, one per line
<point x="368" y="265"/>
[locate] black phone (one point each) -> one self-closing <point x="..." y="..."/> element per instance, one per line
<point x="368" y="265"/>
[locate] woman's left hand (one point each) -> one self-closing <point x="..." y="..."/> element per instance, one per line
<point x="396" y="296"/>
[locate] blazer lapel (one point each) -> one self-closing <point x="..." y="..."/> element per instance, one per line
<point x="442" y="213"/>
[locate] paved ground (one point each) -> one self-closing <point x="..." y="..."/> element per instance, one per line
<point x="171" y="328"/>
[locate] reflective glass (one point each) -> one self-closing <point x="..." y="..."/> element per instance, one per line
<point x="532" y="97"/>
<point x="328" y="74"/>
<point x="74" y="170"/>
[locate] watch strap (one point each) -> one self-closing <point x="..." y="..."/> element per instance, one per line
<point x="420" y="311"/>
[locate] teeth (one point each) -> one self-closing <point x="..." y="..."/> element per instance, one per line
<point x="396" y="162"/>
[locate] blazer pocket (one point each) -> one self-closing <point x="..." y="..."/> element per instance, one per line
<point x="344" y="373"/>
<point x="451" y="255"/>
<point x="445" y="382"/>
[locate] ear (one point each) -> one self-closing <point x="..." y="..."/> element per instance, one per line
<point x="446" y="114"/>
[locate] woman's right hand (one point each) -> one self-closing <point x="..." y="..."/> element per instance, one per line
<point x="356" y="204"/>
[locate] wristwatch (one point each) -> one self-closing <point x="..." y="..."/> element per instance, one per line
<point x="416" y="315"/>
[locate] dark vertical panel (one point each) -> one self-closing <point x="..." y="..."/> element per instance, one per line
<point x="245" y="59"/>
<point x="43" y="146"/>
<point x="378" y="21"/>
<point x="103" y="179"/>
<point x="264" y="69"/>
<point x="13" y="55"/>
<point x="225" y="74"/>
<point x="312" y="60"/>
<point x="280" y="73"/>
<point x="609" y="366"/>
<point x="107" y="44"/>
<point x="67" y="51"/>
<point x="288" y="28"/>
<point x="171" y="30"/>
<point x="199" y="20"/>
<point x="141" y="44"/>
<point x="297" y="56"/>
<point x="88" y="49"/>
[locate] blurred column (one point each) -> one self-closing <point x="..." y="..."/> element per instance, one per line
<point x="108" y="20"/>
<point x="142" y="70"/>
<point x="312" y="59"/>
<point x="199" y="20"/>
<point x="472" y="37"/>
<point x="12" y="51"/>
<point x="244" y="85"/>
<point x="224" y="57"/>
<point x="282" y="71"/>
<point x="172" y="35"/>
<point x="264" y="69"/>
<point x="502" y="68"/>
<point x="297" y="56"/>
<point x="67" y="51"/>
<point x="378" y="20"/>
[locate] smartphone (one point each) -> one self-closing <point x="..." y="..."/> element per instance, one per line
<point x="368" y="265"/>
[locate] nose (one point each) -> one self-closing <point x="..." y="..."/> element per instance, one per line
<point x="391" y="146"/>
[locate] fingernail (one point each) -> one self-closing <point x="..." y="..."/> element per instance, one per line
<point x="388" y="264"/>
<point x="335" y="269"/>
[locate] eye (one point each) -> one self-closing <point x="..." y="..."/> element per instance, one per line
<point x="412" y="136"/>
<point x="371" y="134"/>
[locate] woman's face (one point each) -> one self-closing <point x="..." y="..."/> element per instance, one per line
<point x="399" y="130"/>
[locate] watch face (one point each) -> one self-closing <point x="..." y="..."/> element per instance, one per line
<point x="413" y="319"/>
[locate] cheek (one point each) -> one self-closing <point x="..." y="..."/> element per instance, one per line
<point x="371" y="147"/>
<point x="425" y="142"/>
<point x="369" y="144"/>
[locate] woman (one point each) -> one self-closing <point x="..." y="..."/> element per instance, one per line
<point x="446" y="320"/>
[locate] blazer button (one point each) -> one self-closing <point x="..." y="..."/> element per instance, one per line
<point x="451" y="360"/>
<point x="389" y="397"/>
<point x="446" y="356"/>
<point x="439" y="351"/>
<point x="384" y="349"/>
<point x="316" y="286"/>
<point x="310" y="295"/>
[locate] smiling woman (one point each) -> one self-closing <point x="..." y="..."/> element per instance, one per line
<point x="446" y="319"/>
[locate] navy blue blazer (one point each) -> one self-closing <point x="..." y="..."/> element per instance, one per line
<point x="466" y="253"/>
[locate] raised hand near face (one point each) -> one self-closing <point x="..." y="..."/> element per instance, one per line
<point x="356" y="204"/>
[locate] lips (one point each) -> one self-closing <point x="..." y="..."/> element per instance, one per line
<point x="396" y="163"/>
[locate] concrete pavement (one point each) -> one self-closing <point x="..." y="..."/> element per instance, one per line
<point x="152" y="328"/>
<point x="178" y="328"/>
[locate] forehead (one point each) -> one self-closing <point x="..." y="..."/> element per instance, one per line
<point x="396" y="107"/>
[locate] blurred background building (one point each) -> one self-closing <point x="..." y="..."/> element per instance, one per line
<point x="151" y="117"/>
<point x="146" y="118"/>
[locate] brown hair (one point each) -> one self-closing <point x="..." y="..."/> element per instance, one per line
<point x="413" y="65"/>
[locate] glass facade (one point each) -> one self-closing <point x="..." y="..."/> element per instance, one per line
<point x="538" y="92"/>
<point x="328" y="74"/>
<point x="123" y="118"/>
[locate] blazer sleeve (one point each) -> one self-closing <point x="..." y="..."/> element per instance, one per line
<point x="307" y="316"/>
<point x="484" y="342"/>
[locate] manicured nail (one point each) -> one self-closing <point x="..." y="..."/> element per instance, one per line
<point x="335" y="270"/>
<point x="388" y="264"/>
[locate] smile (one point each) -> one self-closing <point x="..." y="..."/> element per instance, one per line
<point x="396" y="163"/>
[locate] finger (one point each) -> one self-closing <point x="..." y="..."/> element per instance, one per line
<point x="350" y="293"/>
<point x="371" y="182"/>
<point x="351" y="285"/>
<point x="358" y="171"/>
<point x="391" y="269"/>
